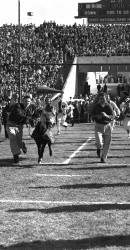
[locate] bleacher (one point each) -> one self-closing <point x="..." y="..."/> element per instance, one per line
<point x="47" y="52"/>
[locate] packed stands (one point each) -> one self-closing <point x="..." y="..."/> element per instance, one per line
<point x="45" y="48"/>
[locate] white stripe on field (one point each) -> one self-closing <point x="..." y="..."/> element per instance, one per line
<point x="66" y="202"/>
<point x="77" y="151"/>
<point x="63" y="175"/>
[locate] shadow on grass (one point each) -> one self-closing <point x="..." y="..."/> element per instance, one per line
<point x="117" y="149"/>
<point x="121" y="144"/>
<point x="88" y="150"/>
<point x="102" y="167"/>
<point x="88" y="186"/>
<point x="78" y="244"/>
<point x="25" y="166"/>
<point x="68" y="142"/>
<point x="10" y="163"/>
<point x="74" y="208"/>
<point x="123" y="156"/>
<point x="6" y="162"/>
<point x="110" y="156"/>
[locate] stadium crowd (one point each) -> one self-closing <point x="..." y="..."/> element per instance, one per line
<point x="53" y="44"/>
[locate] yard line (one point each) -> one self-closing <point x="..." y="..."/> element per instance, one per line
<point x="65" y="202"/>
<point x="63" y="175"/>
<point x="77" y="151"/>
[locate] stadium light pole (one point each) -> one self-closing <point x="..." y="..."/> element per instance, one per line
<point x="19" y="54"/>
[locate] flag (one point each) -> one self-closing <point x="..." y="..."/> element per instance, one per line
<point x="30" y="13"/>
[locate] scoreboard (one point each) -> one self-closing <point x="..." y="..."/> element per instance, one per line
<point x="105" y="11"/>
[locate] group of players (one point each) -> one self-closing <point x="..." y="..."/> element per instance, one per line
<point x="21" y="114"/>
<point x="105" y="112"/>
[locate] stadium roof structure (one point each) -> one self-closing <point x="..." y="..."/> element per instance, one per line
<point x="103" y="63"/>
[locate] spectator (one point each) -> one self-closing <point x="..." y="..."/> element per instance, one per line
<point x="76" y="112"/>
<point x="5" y="114"/>
<point x="18" y="116"/>
<point x="98" y="87"/>
<point x="126" y="121"/>
<point x="53" y="45"/>
<point x="70" y="113"/>
<point x="105" y="88"/>
<point x="115" y="108"/>
<point x="0" y="122"/>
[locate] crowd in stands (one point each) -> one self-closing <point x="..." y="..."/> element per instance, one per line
<point x="117" y="78"/>
<point x="43" y="50"/>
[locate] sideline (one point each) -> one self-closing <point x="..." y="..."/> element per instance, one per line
<point x="63" y="175"/>
<point x="66" y="202"/>
<point x="77" y="151"/>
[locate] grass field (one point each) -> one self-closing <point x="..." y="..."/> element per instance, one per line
<point x="71" y="201"/>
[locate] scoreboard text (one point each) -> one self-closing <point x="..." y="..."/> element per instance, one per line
<point x="117" y="11"/>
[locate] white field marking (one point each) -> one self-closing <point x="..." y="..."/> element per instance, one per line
<point x="50" y="163"/>
<point x="66" y="202"/>
<point x="77" y="151"/>
<point x="63" y="175"/>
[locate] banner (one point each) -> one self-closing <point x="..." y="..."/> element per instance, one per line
<point x="29" y="13"/>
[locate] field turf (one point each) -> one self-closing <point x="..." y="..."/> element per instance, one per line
<point x="71" y="200"/>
